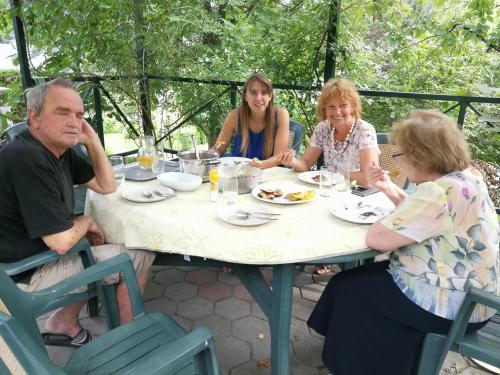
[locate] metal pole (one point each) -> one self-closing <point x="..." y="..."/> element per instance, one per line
<point x="234" y="88"/>
<point x="147" y="124"/>
<point x="22" y="54"/>
<point x="98" y="112"/>
<point x="461" y="114"/>
<point x="331" y="40"/>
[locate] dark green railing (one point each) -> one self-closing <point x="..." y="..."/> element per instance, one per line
<point x="97" y="90"/>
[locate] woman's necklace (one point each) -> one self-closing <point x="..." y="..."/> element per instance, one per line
<point x="346" y="140"/>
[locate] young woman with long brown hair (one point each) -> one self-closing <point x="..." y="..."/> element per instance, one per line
<point x="259" y="130"/>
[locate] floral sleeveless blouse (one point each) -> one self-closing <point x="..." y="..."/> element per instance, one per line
<point x="455" y="226"/>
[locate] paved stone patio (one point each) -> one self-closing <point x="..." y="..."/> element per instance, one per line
<point x="208" y="297"/>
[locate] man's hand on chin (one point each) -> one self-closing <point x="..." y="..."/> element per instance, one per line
<point x="87" y="134"/>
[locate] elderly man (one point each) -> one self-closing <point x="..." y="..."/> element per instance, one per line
<point x="38" y="169"/>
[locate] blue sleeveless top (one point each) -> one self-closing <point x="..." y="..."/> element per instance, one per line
<point x="255" y="142"/>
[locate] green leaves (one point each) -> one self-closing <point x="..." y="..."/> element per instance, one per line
<point x="422" y="46"/>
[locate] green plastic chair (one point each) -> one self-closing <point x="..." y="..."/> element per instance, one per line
<point x="106" y="294"/>
<point x="149" y="344"/>
<point x="483" y="345"/>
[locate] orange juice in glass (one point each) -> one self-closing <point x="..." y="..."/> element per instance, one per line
<point x="146" y="152"/>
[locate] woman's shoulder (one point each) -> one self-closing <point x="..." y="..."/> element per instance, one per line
<point x="283" y="117"/>
<point x="232" y="117"/>
<point x="464" y="182"/>
<point x="234" y="114"/>
<point x="458" y="179"/>
<point x="366" y="126"/>
<point x="454" y="186"/>
<point x="281" y="111"/>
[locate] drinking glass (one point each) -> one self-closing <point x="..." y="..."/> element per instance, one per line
<point x="118" y="169"/>
<point x="230" y="190"/>
<point x="157" y="163"/>
<point x="344" y="169"/>
<point x="326" y="180"/>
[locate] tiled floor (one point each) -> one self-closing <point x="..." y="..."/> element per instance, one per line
<point x="218" y="300"/>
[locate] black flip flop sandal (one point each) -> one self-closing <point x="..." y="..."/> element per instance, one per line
<point x="58" y="339"/>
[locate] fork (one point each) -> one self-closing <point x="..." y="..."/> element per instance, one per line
<point x="160" y="194"/>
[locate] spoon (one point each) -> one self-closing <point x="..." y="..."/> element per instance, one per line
<point x="147" y="194"/>
<point x="194" y="146"/>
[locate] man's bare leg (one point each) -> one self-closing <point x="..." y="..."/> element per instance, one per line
<point x="124" y="300"/>
<point x="65" y="320"/>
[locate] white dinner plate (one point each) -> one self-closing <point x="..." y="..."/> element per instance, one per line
<point x="232" y="161"/>
<point x="285" y="189"/>
<point x="135" y="193"/>
<point x="312" y="177"/>
<point x="228" y="214"/>
<point x="362" y="210"/>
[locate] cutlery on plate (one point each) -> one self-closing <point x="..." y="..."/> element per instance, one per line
<point x="257" y="212"/>
<point x="247" y="215"/>
<point x="160" y="194"/>
<point x="362" y="205"/>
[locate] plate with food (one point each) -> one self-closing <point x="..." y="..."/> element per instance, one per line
<point x="286" y="194"/>
<point x="313" y="177"/>
<point x="362" y="211"/>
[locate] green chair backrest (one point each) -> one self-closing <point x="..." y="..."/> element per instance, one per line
<point x="382" y="138"/>
<point x="296" y="136"/>
<point x="14" y="130"/>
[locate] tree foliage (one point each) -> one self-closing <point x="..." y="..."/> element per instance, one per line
<point x="440" y="46"/>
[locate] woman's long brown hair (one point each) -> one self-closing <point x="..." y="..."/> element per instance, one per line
<point x="245" y="112"/>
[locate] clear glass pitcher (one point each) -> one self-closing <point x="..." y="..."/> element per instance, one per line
<point x="147" y="152"/>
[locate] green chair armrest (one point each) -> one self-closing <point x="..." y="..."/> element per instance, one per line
<point x="15" y="268"/>
<point x="118" y="264"/>
<point x="459" y="325"/>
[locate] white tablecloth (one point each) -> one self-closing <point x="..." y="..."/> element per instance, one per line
<point x="188" y="224"/>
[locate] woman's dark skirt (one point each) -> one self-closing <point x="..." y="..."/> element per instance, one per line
<point x="370" y="326"/>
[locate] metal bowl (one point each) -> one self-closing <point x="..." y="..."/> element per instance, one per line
<point x="199" y="167"/>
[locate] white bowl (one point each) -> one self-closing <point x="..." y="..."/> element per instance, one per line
<point x="180" y="181"/>
<point x="248" y="178"/>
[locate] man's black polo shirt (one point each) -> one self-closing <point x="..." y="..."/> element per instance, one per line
<point x="36" y="194"/>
